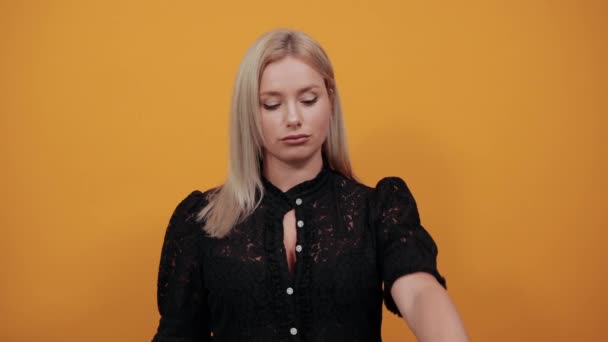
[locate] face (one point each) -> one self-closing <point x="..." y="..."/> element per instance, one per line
<point x="295" y="110"/>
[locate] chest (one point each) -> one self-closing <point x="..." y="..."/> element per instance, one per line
<point x="290" y="239"/>
<point x="312" y="245"/>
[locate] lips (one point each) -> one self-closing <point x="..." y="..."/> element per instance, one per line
<point x="295" y="137"/>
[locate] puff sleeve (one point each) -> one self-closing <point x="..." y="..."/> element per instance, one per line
<point x="404" y="246"/>
<point x="181" y="298"/>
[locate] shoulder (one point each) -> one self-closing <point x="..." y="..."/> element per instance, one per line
<point x="194" y="200"/>
<point x="186" y="211"/>
<point x="390" y="198"/>
<point x="386" y="188"/>
<point x="388" y="192"/>
<point x="392" y="186"/>
<point x="349" y="185"/>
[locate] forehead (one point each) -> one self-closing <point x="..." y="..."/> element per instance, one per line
<point x="289" y="74"/>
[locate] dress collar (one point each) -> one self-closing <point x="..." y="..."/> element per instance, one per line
<point x="303" y="191"/>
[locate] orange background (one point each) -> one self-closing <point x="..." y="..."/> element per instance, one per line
<point x="494" y="112"/>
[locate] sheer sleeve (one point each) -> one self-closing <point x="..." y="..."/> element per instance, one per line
<point x="184" y="315"/>
<point x="404" y="246"/>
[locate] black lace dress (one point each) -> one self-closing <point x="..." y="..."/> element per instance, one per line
<point x="350" y="239"/>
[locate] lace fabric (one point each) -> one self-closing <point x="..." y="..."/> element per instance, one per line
<point x="350" y="240"/>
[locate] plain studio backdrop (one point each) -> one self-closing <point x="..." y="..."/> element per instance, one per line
<point x="494" y="112"/>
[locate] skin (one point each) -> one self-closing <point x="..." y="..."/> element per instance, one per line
<point x="294" y="100"/>
<point x="427" y="309"/>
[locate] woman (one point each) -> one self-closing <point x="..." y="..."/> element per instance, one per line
<point x="292" y="247"/>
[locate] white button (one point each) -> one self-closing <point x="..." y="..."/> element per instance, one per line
<point x="289" y="291"/>
<point x="293" y="331"/>
<point x="298" y="248"/>
<point x="300" y="223"/>
<point x="298" y="201"/>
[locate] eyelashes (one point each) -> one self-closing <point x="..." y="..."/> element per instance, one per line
<point x="271" y="107"/>
<point x="306" y="102"/>
<point x="311" y="102"/>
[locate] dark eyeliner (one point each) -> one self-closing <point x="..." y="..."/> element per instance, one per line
<point x="271" y="107"/>
<point x="310" y="102"/>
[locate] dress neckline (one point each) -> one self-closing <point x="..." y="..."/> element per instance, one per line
<point x="303" y="190"/>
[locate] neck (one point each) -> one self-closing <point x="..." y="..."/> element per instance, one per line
<point x="286" y="175"/>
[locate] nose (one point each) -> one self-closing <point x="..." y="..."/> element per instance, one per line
<point x="293" y="116"/>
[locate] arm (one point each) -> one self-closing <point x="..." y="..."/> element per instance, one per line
<point x="413" y="286"/>
<point x="181" y="297"/>
<point x="427" y="309"/>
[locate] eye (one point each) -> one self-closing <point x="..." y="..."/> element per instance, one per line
<point x="311" y="102"/>
<point x="271" y="107"/>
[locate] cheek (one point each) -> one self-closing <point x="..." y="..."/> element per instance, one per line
<point x="322" y="119"/>
<point x="269" y="126"/>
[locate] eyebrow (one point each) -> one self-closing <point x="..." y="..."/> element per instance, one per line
<point x="277" y="93"/>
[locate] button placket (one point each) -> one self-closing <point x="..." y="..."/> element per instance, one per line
<point x="290" y="289"/>
<point x="291" y="282"/>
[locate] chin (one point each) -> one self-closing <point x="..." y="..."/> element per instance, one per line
<point x="294" y="158"/>
<point x="296" y="155"/>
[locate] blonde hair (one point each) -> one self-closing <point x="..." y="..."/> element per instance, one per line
<point x="235" y="200"/>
